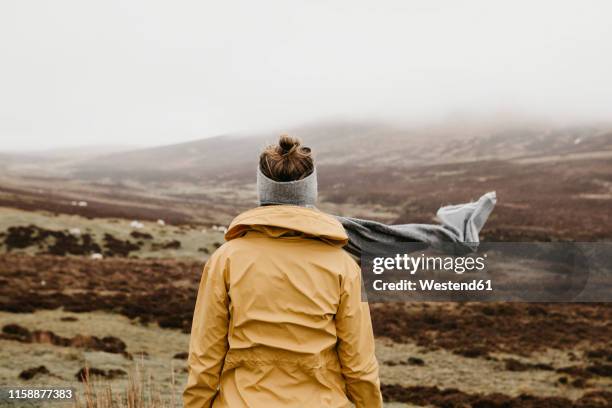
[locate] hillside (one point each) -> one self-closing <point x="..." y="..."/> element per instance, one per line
<point x="553" y="182"/>
<point x="233" y="157"/>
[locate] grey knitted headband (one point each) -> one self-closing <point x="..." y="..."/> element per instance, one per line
<point x="300" y="192"/>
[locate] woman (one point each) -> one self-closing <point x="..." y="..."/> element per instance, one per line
<point x="279" y="320"/>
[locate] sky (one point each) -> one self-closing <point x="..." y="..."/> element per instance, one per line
<point x="142" y="73"/>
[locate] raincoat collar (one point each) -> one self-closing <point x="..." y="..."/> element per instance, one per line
<point x="288" y="220"/>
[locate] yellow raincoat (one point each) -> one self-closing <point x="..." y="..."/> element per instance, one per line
<point x="279" y="320"/>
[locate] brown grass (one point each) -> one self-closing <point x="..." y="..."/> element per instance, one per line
<point x="140" y="391"/>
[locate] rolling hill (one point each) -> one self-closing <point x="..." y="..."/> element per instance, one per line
<point x="553" y="182"/>
<point x="364" y="145"/>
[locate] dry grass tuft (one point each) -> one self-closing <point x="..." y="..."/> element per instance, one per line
<point x="140" y="392"/>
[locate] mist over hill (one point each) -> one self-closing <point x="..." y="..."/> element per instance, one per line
<point x="365" y="145"/>
<point x="553" y="182"/>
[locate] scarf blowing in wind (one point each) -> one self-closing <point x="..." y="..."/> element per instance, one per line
<point x="460" y="224"/>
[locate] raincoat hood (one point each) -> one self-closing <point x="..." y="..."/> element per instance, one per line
<point x="289" y="220"/>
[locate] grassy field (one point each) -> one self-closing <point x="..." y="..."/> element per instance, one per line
<point x="154" y="240"/>
<point x="111" y="314"/>
<point x="85" y="286"/>
<point x="156" y="350"/>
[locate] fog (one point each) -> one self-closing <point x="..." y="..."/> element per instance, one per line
<point x="75" y="73"/>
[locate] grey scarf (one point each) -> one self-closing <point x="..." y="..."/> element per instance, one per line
<point x="460" y="224"/>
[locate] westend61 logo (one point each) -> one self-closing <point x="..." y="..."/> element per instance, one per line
<point x="412" y="264"/>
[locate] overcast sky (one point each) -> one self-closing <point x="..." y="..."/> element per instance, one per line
<point x="126" y="72"/>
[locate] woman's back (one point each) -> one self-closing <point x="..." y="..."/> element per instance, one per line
<point x="284" y="286"/>
<point x="279" y="319"/>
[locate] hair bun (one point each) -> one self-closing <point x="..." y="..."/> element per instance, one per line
<point x="288" y="160"/>
<point x="288" y="144"/>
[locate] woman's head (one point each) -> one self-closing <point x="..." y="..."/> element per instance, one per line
<point x="287" y="174"/>
<point x="286" y="161"/>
